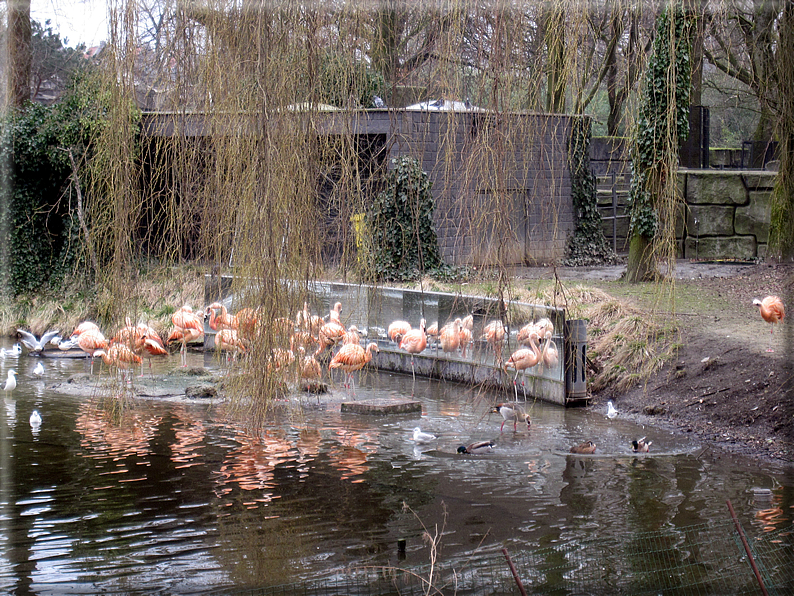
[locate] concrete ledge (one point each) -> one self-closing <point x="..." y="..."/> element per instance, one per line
<point x="381" y="406"/>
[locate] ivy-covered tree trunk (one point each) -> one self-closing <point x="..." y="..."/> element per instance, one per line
<point x="19" y="56"/>
<point x="782" y="223"/>
<point x="663" y="123"/>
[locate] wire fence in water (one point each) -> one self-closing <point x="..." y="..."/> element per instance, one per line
<point x="707" y="559"/>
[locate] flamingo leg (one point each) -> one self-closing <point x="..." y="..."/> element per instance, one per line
<point x="771" y="335"/>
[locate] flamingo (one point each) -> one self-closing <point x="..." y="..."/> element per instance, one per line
<point x="772" y="311"/>
<point x="522" y="359"/>
<point x="641" y="445"/>
<point x="351" y="336"/>
<point x="91" y="340"/>
<point x="85" y="326"/>
<point x="414" y="342"/>
<point x="140" y="338"/>
<point x="522" y="337"/>
<point x="550" y="356"/>
<point x="467" y="322"/>
<point x="188" y="326"/>
<point x="331" y="333"/>
<point x="308" y="322"/>
<point x="36" y="346"/>
<point x="223" y="320"/>
<point x="478" y="447"/>
<point x="397" y="330"/>
<point x="352" y="357"/>
<point x="280" y="359"/>
<point x="465" y="338"/>
<point x="494" y="333"/>
<point x="432" y="331"/>
<point x="247" y="322"/>
<point x="544" y="326"/>
<point x="514" y="413"/>
<point x="227" y="340"/>
<point x="303" y="339"/>
<point x="120" y="357"/>
<point x="310" y="369"/>
<point x="449" y="336"/>
<point x="587" y="447"/>
<point x="335" y="312"/>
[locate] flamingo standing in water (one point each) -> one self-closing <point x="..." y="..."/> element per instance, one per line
<point x="119" y="357"/>
<point x="772" y="311"/>
<point x="550" y="356"/>
<point x="188" y="326"/>
<point x="140" y="338"/>
<point x="523" y="359"/>
<point x="223" y="320"/>
<point x="414" y="342"/>
<point x="228" y="341"/>
<point x="89" y="340"/>
<point x="350" y="358"/>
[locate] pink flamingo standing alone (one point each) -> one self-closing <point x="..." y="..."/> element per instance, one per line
<point x="449" y="336"/>
<point x="350" y="358"/>
<point x="414" y="342"/>
<point x="772" y="311"/>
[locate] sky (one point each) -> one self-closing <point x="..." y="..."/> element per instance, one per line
<point x="77" y="21"/>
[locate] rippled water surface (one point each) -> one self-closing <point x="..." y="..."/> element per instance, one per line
<point x="180" y="497"/>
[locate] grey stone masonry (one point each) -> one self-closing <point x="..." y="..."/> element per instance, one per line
<point x="727" y="213"/>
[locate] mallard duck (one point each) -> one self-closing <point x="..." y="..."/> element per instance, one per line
<point x="586" y="447"/>
<point x="511" y="412"/>
<point x="640" y="445"/>
<point x="478" y="447"/>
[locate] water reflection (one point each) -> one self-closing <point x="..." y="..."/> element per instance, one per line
<point x="145" y="498"/>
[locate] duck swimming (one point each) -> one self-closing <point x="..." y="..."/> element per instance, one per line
<point x="478" y="447"/>
<point x="587" y="447"/>
<point x="640" y="445"/>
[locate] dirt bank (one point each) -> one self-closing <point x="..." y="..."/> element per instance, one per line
<point x="723" y="386"/>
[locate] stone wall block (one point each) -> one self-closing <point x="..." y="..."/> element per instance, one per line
<point x="715" y="187"/>
<point x="714" y="220"/>
<point x="722" y="247"/>
<point x="760" y="180"/>
<point x="754" y="218"/>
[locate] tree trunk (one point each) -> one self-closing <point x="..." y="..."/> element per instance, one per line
<point x="781" y="232"/>
<point x="19" y="56"/>
<point x="641" y="264"/>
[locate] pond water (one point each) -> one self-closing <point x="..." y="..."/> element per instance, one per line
<point x="179" y="497"/>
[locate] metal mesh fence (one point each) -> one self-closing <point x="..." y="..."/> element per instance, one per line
<point x="707" y="559"/>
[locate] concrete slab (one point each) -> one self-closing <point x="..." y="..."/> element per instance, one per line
<point x="382" y="406"/>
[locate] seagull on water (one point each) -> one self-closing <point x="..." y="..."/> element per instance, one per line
<point x="39" y="370"/>
<point x="611" y="411"/>
<point x="35" y="420"/>
<point x="13" y="351"/>
<point x="422" y="437"/>
<point x="11" y="381"/>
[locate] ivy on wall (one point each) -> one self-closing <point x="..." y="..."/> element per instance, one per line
<point x="400" y="220"/>
<point x="41" y="240"/>
<point x="587" y="245"/>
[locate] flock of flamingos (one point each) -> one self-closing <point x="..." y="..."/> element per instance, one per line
<point x="310" y="336"/>
<point x="306" y="339"/>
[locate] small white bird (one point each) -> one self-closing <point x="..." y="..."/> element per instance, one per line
<point x="422" y="437"/>
<point x="611" y="411"/>
<point x="12" y="352"/>
<point x="11" y="381"/>
<point x="35" y="420"/>
<point x="39" y="370"/>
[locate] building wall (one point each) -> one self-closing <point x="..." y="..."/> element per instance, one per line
<point x="501" y="183"/>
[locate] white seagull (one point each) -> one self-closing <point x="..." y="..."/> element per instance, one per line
<point x="39" y="370"/>
<point x="35" y="420"/>
<point x="422" y="437"/>
<point x="15" y="350"/>
<point x="11" y="381"/>
<point x="33" y="344"/>
<point x="611" y="411"/>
